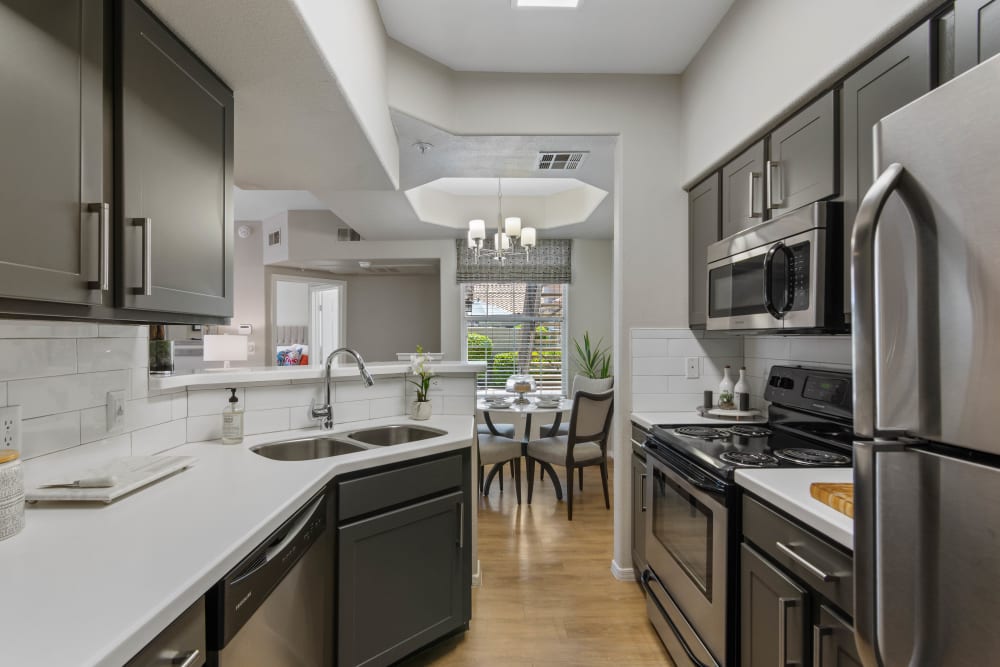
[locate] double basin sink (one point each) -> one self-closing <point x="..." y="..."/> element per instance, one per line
<point x="322" y="447"/>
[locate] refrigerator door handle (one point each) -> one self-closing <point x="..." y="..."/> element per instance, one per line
<point x="863" y="297"/>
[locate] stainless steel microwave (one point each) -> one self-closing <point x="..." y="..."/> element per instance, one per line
<point x="784" y="275"/>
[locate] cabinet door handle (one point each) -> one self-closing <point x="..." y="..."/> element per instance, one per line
<point x="784" y="604"/>
<point x="103" y="244"/>
<point x="789" y="550"/>
<point x="147" y="255"/>
<point x="773" y="174"/>
<point x="179" y="658"/>
<point x="642" y="491"/>
<point x="461" y="525"/>
<point x="819" y="632"/>
<point x="751" y="211"/>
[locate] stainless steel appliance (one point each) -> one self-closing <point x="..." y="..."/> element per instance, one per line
<point x="275" y="609"/>
<point x="693" y="505"/>
<point x="926" y="305"/>
<point x="781" y="275"/>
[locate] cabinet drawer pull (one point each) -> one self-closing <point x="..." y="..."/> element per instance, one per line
<point x="461" y="525"/>
<point x="180" y="658"/>
<point x="773" y="174"/>
<point x="819" y="632"/>
<point x="103" y="244"/>
<point x="147" y="255"/>
<point x="642" y="490"/>
<point x="817" y="572"/>
<point x="784" y="604"/>
<point x="751" y="211"/>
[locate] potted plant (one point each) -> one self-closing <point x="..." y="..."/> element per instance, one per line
<point x="594" y="361"/>
<point x="421" y="408"/>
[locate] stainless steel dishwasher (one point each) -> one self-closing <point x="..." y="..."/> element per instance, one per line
<point x="275" y="609"/>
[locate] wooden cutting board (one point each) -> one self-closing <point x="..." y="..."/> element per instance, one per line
<point x="838" y="496"/>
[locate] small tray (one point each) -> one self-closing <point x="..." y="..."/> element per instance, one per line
<point x="729" y="415"/>
<point x="131" y="473"/>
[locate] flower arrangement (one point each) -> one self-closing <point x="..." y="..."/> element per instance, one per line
<point x="419" y="367"/>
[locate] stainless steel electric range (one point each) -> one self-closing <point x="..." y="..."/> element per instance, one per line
<point x="693" y="522"/>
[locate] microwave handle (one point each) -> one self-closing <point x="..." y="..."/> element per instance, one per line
<point x="768" y="279"/>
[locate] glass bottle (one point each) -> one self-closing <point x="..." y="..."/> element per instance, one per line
<point x="726" y="390"/>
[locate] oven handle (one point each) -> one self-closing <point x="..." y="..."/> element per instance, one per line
<point x="702" y="483"/>
<point x="647" y="575"/>
<point x="769" y="276"/>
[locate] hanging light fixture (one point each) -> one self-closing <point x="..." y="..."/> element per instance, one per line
<point x="510" y="239"/>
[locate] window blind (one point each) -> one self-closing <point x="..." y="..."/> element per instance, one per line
<point x="516" y="328"/>
<point x="550" y="262"/>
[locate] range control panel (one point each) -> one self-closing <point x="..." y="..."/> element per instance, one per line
<point x="813" y="389"/>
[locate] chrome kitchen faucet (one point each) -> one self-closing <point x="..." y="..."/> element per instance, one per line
<point x="325" y="412"/>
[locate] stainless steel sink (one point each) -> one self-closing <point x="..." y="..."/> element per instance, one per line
<point x="396" y="434"/>
<point x="306" y="449"/>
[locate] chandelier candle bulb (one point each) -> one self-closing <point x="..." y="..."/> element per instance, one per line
<point x="472" y="241"/>
<point x="513" y="227"/>
<point x="477" y="229"/>
<point x="528" y="237"/>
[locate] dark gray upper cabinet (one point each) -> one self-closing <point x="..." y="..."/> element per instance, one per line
<point x="774" y="614"/>
<point x="54" y="235"/>
<point x="977" y="32"/>
<point x="895" y="77"/>
<point x="743" y="191"/>
<point x="703" y="230"/>
<point x="802" y="157"/>
<point x="174" y="174"/>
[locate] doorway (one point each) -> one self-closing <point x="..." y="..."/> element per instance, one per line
<point x="307" y="319"/>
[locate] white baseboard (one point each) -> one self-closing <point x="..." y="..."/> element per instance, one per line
<point x="622" y="573"/>
<point x="477" y="576"/>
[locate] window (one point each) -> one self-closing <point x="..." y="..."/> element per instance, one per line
<point x="516" y="327"/>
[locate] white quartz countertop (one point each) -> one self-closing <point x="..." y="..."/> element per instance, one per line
<point x="648" y="419"/>
<point x="242" y="376"/>
<point x="788" y="490"/>
<point x="92" y="584"/>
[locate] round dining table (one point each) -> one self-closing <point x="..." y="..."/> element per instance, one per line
<point x="526" y="414"/>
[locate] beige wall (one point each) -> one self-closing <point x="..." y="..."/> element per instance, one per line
<point x="390" y="314"/>
<point x="590" y="294"/>
<point x="765" y="56"/>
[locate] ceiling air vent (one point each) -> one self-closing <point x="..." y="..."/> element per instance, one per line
<point x="347" y="234"/>
<point x="561" y="160"/>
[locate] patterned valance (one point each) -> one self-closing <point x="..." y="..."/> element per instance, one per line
<point x="550" y="262"/>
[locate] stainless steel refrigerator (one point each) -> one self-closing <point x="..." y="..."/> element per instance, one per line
<point x="926" y="325"/>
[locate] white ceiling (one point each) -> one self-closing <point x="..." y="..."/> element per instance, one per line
<point x="510" y="187"/>
<point x="600" y="36"/>
<point x="261" y="204"/>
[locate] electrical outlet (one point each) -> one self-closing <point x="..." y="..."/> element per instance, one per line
<point x="693" y="368"/>
<point x="10" y="427"/>
<point x="116" y="410"/>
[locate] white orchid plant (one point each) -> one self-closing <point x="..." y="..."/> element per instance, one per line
<point x="419" y="366"/>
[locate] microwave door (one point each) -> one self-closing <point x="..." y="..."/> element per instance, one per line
<point x="736" y="292"/>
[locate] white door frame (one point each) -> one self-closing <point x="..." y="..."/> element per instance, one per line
<point x="272" y="318"/>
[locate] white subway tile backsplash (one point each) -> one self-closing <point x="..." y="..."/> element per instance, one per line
<point x="286" y="396"/>
<point x="828" y="349"/>
<point x="455" y="405"/>
<point x="651" y="384"/>
<point x="352" y="411"/>
<point x="37" y="329"/>
<point x="36" y="358"/>
<point x="140" y="382"/>
<point x="156" y="439"/>
<point x="301" y="417"/>
<point x="767" y="347"/>
<point x="683" y="385"/>
<point x="208" y="427"/>
<point x="715" y="366"/>
<point x="666" y="333"/>
<point x="45" y="435"/>
<point x="659" y="366"/>
<point x="52" y="395"/>
<point x="265" y="421"/>
<point x="110" y="354"/>
<point x="666" y="402"/>
<point x="395" y="406"/>
<point x="123" y="331"/>
<point x="383" y="388"/>
<point x="211" y="401"/>
<point x="178" y="406"/>
<point x="3" y="393"/>
<point x="653" y="347"/>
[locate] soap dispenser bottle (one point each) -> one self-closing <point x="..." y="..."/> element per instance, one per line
<point x="232" y="421"/>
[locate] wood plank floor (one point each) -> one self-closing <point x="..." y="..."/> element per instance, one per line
<point x="547" y="595"/>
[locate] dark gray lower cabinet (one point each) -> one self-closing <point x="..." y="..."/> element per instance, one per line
<point x="638" y="514"/>
<point x="174" y="174"/>
<point x="833" y="641"/>
<point x="977" y="32"/>
<point x="774" y="614"/>
<point x="404" y="572"/>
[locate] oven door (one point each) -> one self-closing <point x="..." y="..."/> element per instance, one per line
<point x="776" y="286"/>
<point x="687" y="547"/>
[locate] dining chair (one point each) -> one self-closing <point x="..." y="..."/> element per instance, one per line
<point x="580" y="383"/>
<point x="586" y="443"/>
<point x="496" y="450"/>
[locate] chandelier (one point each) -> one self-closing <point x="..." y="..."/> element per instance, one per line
<point x="510" y="240"/>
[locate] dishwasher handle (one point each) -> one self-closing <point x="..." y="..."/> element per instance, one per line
<point x="281" y="544"/>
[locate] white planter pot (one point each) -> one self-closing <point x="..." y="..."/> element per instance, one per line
<point x="420" y="410"/>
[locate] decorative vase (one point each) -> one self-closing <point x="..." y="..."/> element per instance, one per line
<point x="420" y="410"/>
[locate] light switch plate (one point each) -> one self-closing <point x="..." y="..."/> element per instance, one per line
<point x="10" y="427"/>
<point x="116" y="410"/>
<point x="693" y="368"/>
